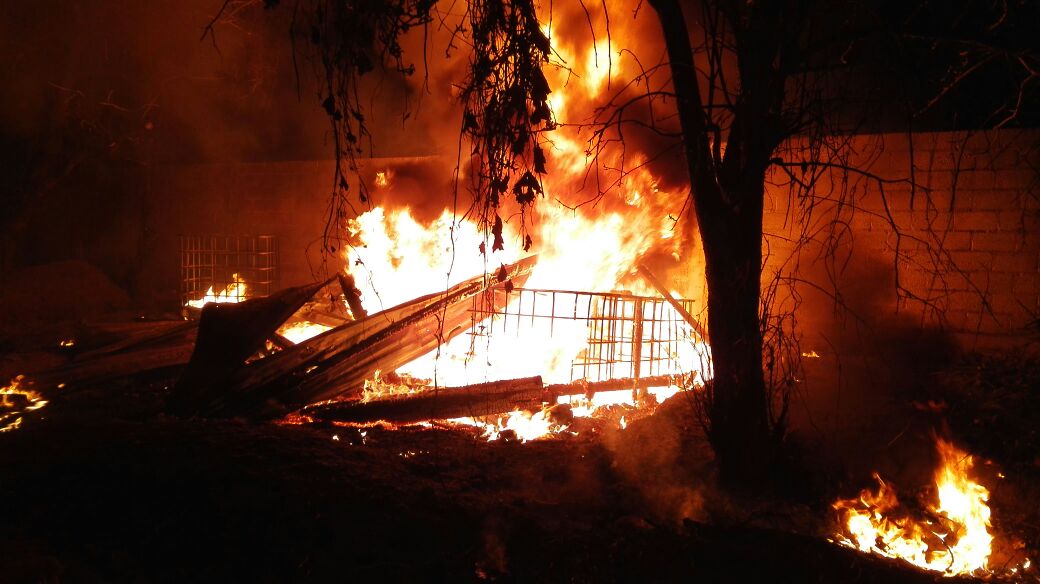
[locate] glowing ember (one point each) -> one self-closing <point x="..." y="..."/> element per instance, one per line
<point x="524" y="425"/>
<point x="956" y="541"/>
<point x="383" y="385"/>
<point x="16" y="400"/>
<point x="234" y="292"/>
<point x="546" y="423"/>
<point x="299" y="332"/>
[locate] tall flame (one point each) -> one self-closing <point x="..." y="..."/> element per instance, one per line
<point x="956" y="541"/>
<point x="584" y="247"/>
<point x="603" y="211"/>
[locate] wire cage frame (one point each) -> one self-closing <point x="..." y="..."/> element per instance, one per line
<point x="626" y="336"/>
<point x="213" y="261"/>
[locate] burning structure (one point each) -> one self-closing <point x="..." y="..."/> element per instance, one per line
<point x="670" y="252"/>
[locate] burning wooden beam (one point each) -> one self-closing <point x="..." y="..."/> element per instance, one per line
<point x="352" y="295"/>
<point x="228" y="335"/>
<point x="663" y="291"/>
<point x="341" y="359"/>
<point x="590" y="388"/>
<point x="478" y="400"/>
<point x="482" y="399"/>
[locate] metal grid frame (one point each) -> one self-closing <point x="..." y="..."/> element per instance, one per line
<point x="629" y="336"/>
<point x="210" y="260"/>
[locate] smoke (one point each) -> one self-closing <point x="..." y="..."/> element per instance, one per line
<point x="667" y="460"/>
<point x="865" y="364"/>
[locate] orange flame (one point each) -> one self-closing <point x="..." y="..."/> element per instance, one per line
<point x="956" y="541"/>
<point x="15" y="401"/>
<point x="603" y="211"/>
<point x="300" y="331"/>
<point x="234" y="292"/>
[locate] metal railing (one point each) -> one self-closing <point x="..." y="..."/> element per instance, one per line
<point x="626" y="336"/>
<point x="212" y="261"/>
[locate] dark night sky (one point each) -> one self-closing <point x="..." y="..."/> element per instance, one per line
<point x="134" y="80"/>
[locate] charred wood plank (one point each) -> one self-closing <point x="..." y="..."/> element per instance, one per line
<point x="590" y="388"/>
<point x="352" y="295"/>
<point x="135" y="335"/>
<point x="663" y="291"/>
<point x="174" y="353"/>
<point x="341" y="359"/>
<point x="482" y="399"/>
<point x="228" y="335"/>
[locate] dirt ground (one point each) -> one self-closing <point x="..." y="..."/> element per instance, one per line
<point x="102" y="486"/>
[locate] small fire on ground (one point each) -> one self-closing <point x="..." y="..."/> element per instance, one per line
<point x="15" y="401"/>
<point x="233" y="292"/>
<point x="952" y="536"/>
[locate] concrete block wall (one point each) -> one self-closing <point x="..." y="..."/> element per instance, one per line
<point x="951" y="241"/>
<point x="959" y="231"/>
<point x="284" y="199"/>
<point x="287" y="199"/>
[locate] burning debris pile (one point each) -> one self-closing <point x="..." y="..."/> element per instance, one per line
<point x="616" y="343"/>
<point x="464" y="352"/>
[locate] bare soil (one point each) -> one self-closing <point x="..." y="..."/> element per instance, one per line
<point x="102" y="486"/>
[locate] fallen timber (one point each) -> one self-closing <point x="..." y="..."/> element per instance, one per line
<point x="340" y="359"/>
<point x="228" y="335"/>
<point x="158" y="346"/>
<point x="167" y="347"/>
<point x="482" y="399"/>
<point x="351" y="295"/>
<point x="663" y="291"/>
<point x="475" y="401"/>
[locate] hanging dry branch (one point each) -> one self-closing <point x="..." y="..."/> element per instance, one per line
<point x="506" y="110"/>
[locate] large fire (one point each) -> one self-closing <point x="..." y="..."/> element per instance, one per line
<point x="953" y="539"/>
<point x="402" y="258"/>
<point x="598" y="220"/>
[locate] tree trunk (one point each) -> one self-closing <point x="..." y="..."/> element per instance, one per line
<point x="728" y="200"/>
<point x="738" y="410"/>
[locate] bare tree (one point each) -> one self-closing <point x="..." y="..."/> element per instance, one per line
<point x="790" y="59"/>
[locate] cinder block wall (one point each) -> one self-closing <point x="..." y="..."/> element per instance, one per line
<point x="289" y="200"/>
<point x="284" y="199"/>
<point x="951" y="242"/>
